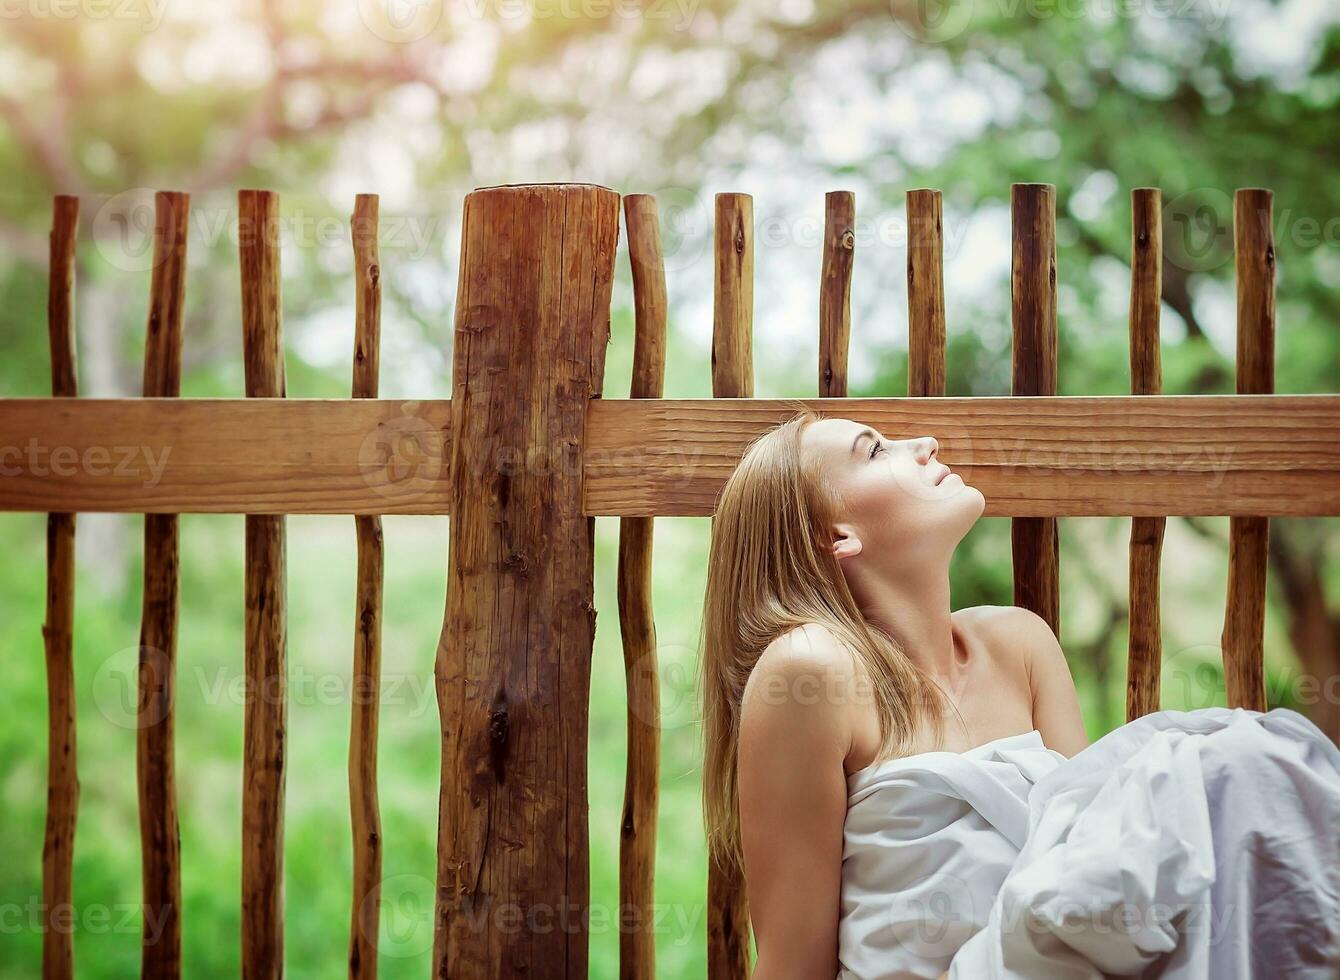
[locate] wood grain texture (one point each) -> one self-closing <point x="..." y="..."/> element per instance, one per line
<point x="513" y="665"/>
<point x="925" y="294"/>
<point x="365" y="812"/>
<point x="1065" y="455"/>
<point x="637" y="624"/>
<point x="733" y="297"/>
<point x="160" y="837"/>
<point x="1249" y="535"/>
<point x="1074" y="455"/>
<point x="58" y="627"/>
<point x="651" y="305"/>
<point x="266" y="711"/>
<point x="225" y="455"/>
<point x="363" y="228"/>
<point x="835" y="292"/>
<point x="1034" y="543"/>
<point x="1144" y="655"/>
<point x="728" y="935"/>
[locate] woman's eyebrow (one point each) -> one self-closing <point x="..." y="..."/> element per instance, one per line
<point x="859" y="436"/>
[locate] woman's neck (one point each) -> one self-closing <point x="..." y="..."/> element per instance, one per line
<point x="915" y="611"/>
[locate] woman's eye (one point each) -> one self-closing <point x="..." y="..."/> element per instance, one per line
<point x="876" y="448"/>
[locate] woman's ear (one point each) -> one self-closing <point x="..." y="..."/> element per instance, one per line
<point x="845" y="542"/>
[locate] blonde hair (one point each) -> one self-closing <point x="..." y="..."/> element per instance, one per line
<point x="767" y="573"/>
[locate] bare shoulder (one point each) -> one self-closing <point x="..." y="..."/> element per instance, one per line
<point x="999" y="615"/>
<point x="1015" y="636"/>
<point x="1026" y="639"/>
<point x="791" y="688"/>
<point x="810" y="649"/>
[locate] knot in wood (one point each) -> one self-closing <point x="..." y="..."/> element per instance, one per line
<point x="498" y="728"/>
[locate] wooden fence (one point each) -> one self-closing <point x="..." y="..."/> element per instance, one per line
<point x="524" y="455"/>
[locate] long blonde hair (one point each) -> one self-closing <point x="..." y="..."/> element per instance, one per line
<point x="767" y="573"/>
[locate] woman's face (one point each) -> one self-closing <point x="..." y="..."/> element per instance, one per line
<point x="900" y="499"/>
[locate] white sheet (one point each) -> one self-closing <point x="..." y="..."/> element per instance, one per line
<point x="1185" y="844"/>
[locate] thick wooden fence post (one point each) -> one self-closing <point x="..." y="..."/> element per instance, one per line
<point x="514" y="661"/>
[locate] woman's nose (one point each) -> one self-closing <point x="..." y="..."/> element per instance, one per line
<point x="927" y="447"/>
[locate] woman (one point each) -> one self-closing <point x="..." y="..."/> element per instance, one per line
<point x="870" y="755"/>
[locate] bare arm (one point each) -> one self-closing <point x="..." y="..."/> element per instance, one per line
<point x="1056" y="711"/>
<point x="795" y="732"/>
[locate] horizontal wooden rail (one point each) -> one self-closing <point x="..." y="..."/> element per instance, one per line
<point x="207" y="455"/>
<point x="1134" y="455"/>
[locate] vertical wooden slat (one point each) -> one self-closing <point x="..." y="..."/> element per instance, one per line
<point x="58" y="628"/>
<point x="1145" y="649"/>
<point x="1244" y="621"/>
<point x="733" y="297"/>
<point x="160" y="840"/>
<point x="513" y="664"/>
<point x="266" y="625"/>
<point x="925" y="294"/>
<point x="1033" y="314"/>
<point x="732" y="377"/>
<point x="363" y="804"/>
<point x="835" y="292"/>
<point x="637" y="829"/>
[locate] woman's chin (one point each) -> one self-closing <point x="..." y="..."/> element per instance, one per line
<point x="977" y="499"/>
<point x="965" y="489"/>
